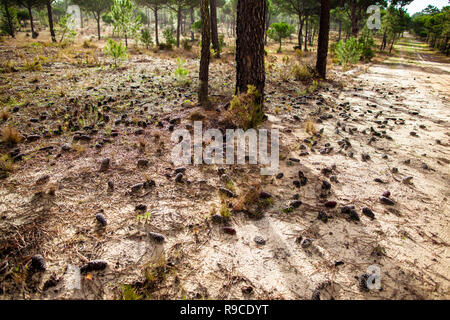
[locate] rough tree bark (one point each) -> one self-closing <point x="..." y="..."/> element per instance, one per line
<point x="250" y="27"/>
<point x="205" y="55"/>
<point x="214" y="31"/>
<point x="50" y="20"/>
<point x="322" y="51"/>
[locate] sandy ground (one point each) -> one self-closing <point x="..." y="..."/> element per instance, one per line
<point x="376" y="111"/>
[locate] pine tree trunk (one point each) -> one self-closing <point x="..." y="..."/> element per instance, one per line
<point x="392" y="44"/>
<point x="8" y="17"/>
<point x="306" y="33"/>
<point x="178" y="26"/>
<point x="205" y="55"/>
<point x="155" y="11"/>
<point x="322" y="51"/>
<point x="214" y="31"/>
<point x="192" y="22"/>
<point x="383" y="44"/>
<point x="340" y="30"/>
<point x="30" y="13"/>
<point x="98" y="17"/>
<point x="354" y="18"/>
<point x="250" y="70"/>
<point x="50" y="20"/>
<point x="300" y="31"/>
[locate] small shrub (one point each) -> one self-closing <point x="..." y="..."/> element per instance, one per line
<point x="10" y="135"/>
<point x="181" y="73"/>
<point x="146" y="38"/>
<point x="129" y="292"/>
<point x="64" y="28"/>
<point x="87" y="44"/>
<point x="303" y="72"/>
<point x="117" y="51"/>
<point x="366" y="44"/>
<point x="348" y="52"/>
<point x="168" y="34"/>
<point x="244" y="111"/>
<point x="186" y="45"/>
<point x="35" y="65"/>
<point x="280" y="31"/>
<point x="6" y="166"/>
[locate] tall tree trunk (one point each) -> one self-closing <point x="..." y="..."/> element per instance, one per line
<point x="300" y="31"/>
<point x="30" y="13"/>
<point x="178" y="25"/>
<point x="205" y="55"/>
<point x="354" y="18"/>
<point x="50" y="20"/>
<point x="251" y="16"/>
<point x="268" y="18"/>
<point x="98" y="17"/>
<point x="81" y="19"/>
<point x="340" y="30"/>
<point x="392" y="44"/>
<point x="214" y="31"/>
<point x="383" y="43"/>
<point x="306" y="33"/>
<point x="192" y="22"/>
<point x="8" y="17"/>
<point x="322" y="51"/>
<point x="155" y="10"/>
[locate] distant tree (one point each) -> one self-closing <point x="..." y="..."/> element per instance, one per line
<point x="250" y="71"/>
<point x="177" y="6"/>
<point x="9" y="17"/>
<point x="123" y="18"/>
<point x="48" y="4"/>
<point x="29" y="5"/>
<point x="97" y="8"/>
<point x="214" y="30"/>
<point x="155" y="6"/>
<point x="205" y="55"/>
<point x="300" y="8"/>
<point x="279" y="31"/>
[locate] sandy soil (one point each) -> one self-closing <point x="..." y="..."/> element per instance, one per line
<point x="376" y="111"/>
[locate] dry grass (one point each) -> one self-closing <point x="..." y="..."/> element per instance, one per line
<point x="4" y="115"/>
<point x="303" y="72"/>
<point x="10" y="135"/>
<point x="35" y="65"/>
<point x="6" y="165"/>
<point x="310" y="127"/>
<point x="196" y="116"/>
<point x="8" y="67"/>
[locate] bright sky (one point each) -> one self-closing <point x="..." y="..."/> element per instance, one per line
<point x="419" y="5"/>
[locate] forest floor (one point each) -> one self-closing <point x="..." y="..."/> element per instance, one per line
<point x="385" y="128"/>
